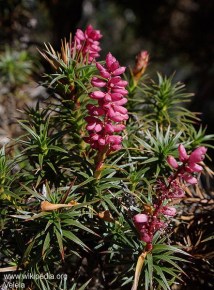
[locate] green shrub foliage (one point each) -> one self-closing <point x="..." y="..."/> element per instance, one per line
<point x="91" y="188"/>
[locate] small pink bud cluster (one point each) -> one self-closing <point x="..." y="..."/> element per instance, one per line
<point x="107" y="118"/>
<point x="148" y="223"/>
<point x="87" y="43"/>
<point x="188" y="163"/>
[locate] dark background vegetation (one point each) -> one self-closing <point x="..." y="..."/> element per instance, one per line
<point x="177" y="33"/>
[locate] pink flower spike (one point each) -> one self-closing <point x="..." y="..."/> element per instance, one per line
<point x="110" y="102"/>
<point x="140" y="218"/>
<point x="182" y="153"/>
<point x="93" y="34"/>
<point x="87" y="43"/>
<point x="198" y="155"/>
<point x="172" y="162"/>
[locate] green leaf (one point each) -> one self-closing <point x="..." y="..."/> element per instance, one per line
<point x="69" y="235"/>
<point x="46" y="244"/>
<point x="77" y="224"/>
<point x="149" y="260"/>
<point x="162" y="276"/>
<point x="60" y="243"/>
<point x="85" y="285"/>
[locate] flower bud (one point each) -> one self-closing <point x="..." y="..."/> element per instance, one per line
<point x="198" y="155"/>
<point x="182" y="153"/>
<point x="140" y="218"/>
<point x="172" y="162"/>
<point x="190" y="179"/>
<point x="97" y="95"/>
<point x="168" y="211"/>
<point x="193" y="167"/>
<point x="146" y="237"/>
<point x="119" y="71"/>
<point x="96" y="82"/>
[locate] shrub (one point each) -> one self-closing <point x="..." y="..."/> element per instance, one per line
<point x="92" y="187"/>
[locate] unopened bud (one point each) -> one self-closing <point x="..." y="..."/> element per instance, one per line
<point x="141" y="64"/>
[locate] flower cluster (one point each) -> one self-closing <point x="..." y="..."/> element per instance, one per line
<point x="108" y="117"/>
<point x="87" y="43"/>
<point x="188" y="163"/>
<point x="148" y="222"/>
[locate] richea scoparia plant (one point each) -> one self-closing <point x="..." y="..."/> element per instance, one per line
<point x="92" y="188"/>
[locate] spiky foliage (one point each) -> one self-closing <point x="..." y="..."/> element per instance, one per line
<point x="59" y="217"/>
<point x="15" y="67"/>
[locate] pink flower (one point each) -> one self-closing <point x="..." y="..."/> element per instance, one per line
<point x="172" y="162"/>
<point x="189" y="163"/>
<point x="193" y="167"/>
<point x="103" y="72"/>
<point x="94" y="124"/>
<point x="140" y="218"/>
<point x="95" y="111"/>
<point x="168" y="210"/>
<point x="146" y="237"/>
<point x="189" y="179"/>
<point x="197" y="155"/>
<point x="97" y="95"/>
<point x="96" y="82"/>
<point x="177" y="193"/>
<point x="182" y="153"/>
<point x="158" y="225"/>
<point x="110" y="98"/>
<point x="119" y="71"/>
<point x="87" y="43"/>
